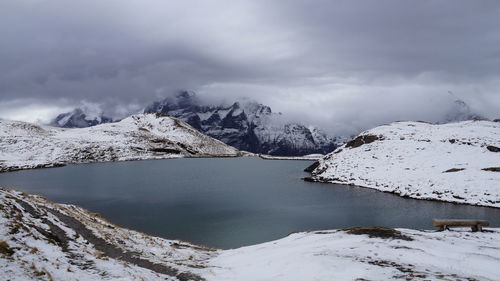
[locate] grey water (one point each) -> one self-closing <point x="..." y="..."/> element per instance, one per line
<point x="228" y="202"/>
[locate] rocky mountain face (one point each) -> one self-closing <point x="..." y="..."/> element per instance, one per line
<point x="143" y="136"/>
<point x="80" y="118"/>
<point x="246" y="125"/>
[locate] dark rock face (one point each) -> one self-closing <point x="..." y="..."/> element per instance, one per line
<point x="359" y="141"/>
<point x="312" y="167"/>
<point x="453" y="170"/>
<point x="78" y="119"/>
<point x="493" y="148"/>
<point x="492" y="169"/>
<point x="247" y="126"/>
<point x="377" y="232"/>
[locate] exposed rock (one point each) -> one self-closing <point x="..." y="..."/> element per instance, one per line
<point x="312" y="167"/>
<point x="452" y="170"/>
<point x="493" y="148"/>
<point x="359" y="141"/>
<point x="377" y="232"/>
<point x="492" y="169"/>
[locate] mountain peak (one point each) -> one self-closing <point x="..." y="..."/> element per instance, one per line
<point x="81" y="117"/>
<point x="246" y="125"/>
<point x="460" y="111"/>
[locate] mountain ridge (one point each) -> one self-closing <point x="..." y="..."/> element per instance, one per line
<point x="144" y="136"/>
<point x="249" y="126"/>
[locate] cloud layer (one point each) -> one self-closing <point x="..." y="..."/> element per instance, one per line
<point x="334" y="63"/>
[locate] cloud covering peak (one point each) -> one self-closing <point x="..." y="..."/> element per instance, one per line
<point x="340" y="63"/>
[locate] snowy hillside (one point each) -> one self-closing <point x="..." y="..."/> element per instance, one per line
<point x="246" y="125"/>
<point x="455" y="162"/>
<point x="41" y="240"/>
<point x="365" y="253"/>
<point x="145" y="136"/>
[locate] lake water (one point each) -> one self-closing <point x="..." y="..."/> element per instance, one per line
<point x="228" y="202"/>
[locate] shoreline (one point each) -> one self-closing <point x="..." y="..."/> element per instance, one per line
<point x="84" y="245"/>
<point x="9" y="169"/>
<point x="63" y="164"/>
<point x="327" y="181"/>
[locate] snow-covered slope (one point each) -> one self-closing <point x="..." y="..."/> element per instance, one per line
<point x="455" y="162"/>
<point x="145" y="136"/>
<point x="41" y="240"/>
<point x="365" y="253"/>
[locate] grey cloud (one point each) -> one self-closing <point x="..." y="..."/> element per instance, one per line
<point x="334" y="63"/>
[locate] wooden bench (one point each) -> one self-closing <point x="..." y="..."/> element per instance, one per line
<point x="476" y="225"/>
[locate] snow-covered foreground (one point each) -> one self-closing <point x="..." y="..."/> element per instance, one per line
<point x="144" y="136"/>
<point x="41" y="240"/>
<point x="455" y="162"/>
<point x="353" y="255"/>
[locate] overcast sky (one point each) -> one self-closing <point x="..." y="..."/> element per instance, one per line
<point x="337" y="64"/>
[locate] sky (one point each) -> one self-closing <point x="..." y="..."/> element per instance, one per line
<point x="336" y="64"/>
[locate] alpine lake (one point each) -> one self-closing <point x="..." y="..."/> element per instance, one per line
<point x="228" y="202"/>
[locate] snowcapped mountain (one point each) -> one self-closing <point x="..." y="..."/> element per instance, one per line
<point x="246" y="125"/>
<point x="81" y="118"/>
<point x="455" y="162"/>
<point x="144" y="136"/>
<point x="459" y="110"/>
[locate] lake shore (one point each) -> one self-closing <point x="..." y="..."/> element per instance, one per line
<point x="82" y="245"/>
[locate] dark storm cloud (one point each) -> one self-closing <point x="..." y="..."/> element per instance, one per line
<point x="403" y="37"/>
<point x="356" y="63"/>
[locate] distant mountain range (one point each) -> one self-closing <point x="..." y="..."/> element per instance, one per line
<point x="80" y="118"/>
<point x="246" y="125"/>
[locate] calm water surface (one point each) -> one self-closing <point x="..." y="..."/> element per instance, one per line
<point x="227" y="202"/>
